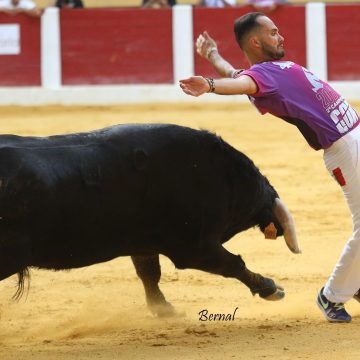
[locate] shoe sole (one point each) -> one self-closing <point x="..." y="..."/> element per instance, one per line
<point x="330" y="319"/>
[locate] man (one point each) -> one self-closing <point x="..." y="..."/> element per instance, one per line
<point x="68" y="4"/>
<point x="13" y="7"/>
<point x="324" y="118"/>
<point x="158" y="3"/>
<point x="217" y="3"/>
<point x="267" y="6"/>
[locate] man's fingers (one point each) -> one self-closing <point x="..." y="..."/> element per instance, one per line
<point x="200" y="38"/>
<point x="187" y="91"/>
<point x="190" y="79"/>
<point x="186" y="81"/>
<point x="199" y="42"/>
<point x="201" y="45"/>
<point x="207" y="37"/>
<point x="210" y="41"/>
<point x="184" y="87"/>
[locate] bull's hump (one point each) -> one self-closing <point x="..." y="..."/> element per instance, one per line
<point x="84" y="138"/>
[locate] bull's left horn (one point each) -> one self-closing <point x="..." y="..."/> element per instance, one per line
<point x="286" y="221"/>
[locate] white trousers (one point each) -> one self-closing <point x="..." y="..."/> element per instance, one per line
<point x="343" y="163"/>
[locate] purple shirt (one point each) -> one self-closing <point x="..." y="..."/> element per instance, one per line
<point x="296" y="95"/>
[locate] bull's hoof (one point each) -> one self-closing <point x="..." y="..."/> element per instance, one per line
<point x="269" y="290"/>
<point x="277" y="295"/>
<point x="163" y="310"/>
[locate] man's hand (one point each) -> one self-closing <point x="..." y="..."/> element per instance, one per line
<point x="205" y="45"/>
<point x="194" y="86"/>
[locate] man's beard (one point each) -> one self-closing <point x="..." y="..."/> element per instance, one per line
<point x="270" y="54"/>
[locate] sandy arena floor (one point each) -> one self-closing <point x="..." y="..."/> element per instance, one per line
<point x="99" y="312"/>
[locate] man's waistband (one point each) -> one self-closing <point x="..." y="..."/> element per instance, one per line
<point x="353" y="134"/>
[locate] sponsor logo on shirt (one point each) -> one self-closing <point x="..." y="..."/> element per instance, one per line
<point x="344" y="117"/>
<point x="340" y="112"/>
<point x="316" y="83"/>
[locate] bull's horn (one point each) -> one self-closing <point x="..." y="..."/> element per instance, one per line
<point x="286" y="221"/>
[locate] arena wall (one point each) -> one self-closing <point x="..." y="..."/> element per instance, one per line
<point x="121" y="55"/>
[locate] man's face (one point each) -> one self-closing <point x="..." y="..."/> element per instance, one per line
<point x="271" y="42"/>
<point x="15" y="2"/>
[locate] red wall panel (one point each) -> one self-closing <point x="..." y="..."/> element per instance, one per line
<point x="22" y="69"/>
<point x="116" y="46"/>
<point x="219" y="24"/>
<point x="343" y="41"/>
<point x="123" y="46"/>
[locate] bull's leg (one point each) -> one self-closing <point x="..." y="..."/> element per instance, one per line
<point x="220" y="261"/>
<point x="148" y="270"/>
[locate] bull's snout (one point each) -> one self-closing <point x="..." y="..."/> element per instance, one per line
<point x="286" y="221"/>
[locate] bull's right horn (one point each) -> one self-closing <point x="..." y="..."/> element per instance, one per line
<point x="286" y="221"/>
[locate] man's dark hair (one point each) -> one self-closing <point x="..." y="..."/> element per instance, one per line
<point x="244" y="24"/>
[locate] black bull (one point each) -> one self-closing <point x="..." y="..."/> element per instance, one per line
<point x="133" y="190"/>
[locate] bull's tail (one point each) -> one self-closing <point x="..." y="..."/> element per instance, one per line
<point x="23" y="276"/>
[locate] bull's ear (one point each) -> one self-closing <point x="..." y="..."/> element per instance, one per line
<point x="270" y="231"/>
<point x="140" y="159"/>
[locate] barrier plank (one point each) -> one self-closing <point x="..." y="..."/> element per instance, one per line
<point x="22" y="69"/>
<point x="116" y="46"/>
<point x="343" y="41"/>
<point x="219" y="23"/>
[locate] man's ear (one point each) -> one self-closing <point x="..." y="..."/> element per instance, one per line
<point x="254" y="42"/>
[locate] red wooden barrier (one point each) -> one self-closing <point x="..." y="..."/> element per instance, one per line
<point x="116" y="46"/>
<point x="219" y="23"/>
<point x="22" y="69"/>
<point x="343" y="41"/>
<point x="133" y="46"/>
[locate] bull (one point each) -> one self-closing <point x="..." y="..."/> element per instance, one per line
<point x="70" y="201"/>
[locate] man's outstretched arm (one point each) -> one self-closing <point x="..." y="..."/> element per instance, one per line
<point x="206" y="47"/>
<point x="198" y="85"/>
